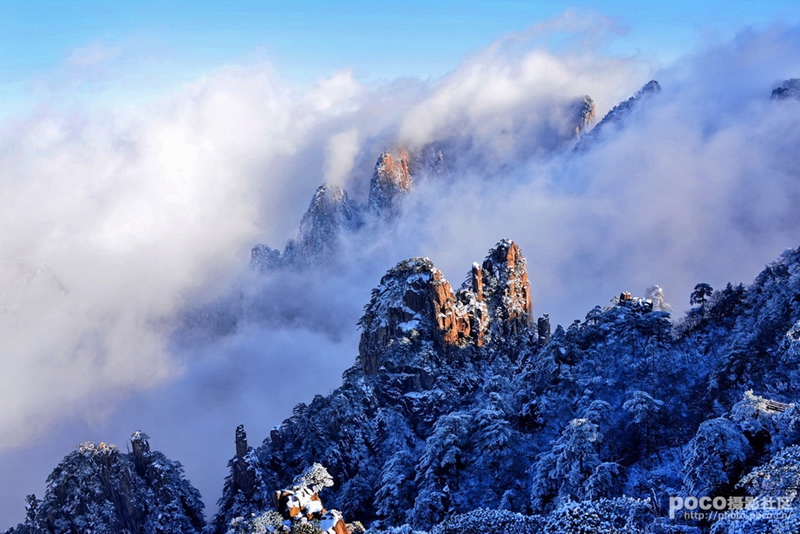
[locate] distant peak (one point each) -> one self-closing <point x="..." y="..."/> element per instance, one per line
<point x="390" y="181"/>
<point x="616" y="118"/>
<point x="650" y="87"/>
<point x="789" y="89"/>
<point x="329" y="213"/>
<point x="584" y="113"/>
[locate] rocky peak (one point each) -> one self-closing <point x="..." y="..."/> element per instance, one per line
<point x="618" y="114"/>
<point x="505" y="288"/>
<point x="788" y="90"/>
<point x="141" y="450"/>
<point x="414" y="302"/>
<point x="400" y="308"/>
<point x="584" y="110"/>
<point x="621" y="110"/>
<point x="243" y="474"/>
<point x="390" y="180"/>
<point x="329" y="214"/>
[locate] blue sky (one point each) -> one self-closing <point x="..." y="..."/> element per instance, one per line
<point x="132" y="50"/>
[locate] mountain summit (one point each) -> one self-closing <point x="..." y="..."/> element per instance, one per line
<point x="414" y="302"/>
<point x="390" y="181"/>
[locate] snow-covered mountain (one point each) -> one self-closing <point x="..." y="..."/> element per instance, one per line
<point x="460" y="414"/>
<point x="98" y="488"/>
<point x="464" y="412"/>
<point x="618" y="412"/>
<point x="614" y="120"/>
<point x="332" y="215"/>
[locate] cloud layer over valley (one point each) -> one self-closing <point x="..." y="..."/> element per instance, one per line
<point x="116" y="225"/>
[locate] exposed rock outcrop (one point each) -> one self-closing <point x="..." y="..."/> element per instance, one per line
<point x="390" y="181"/>
<point x="615" y="118"/>
<point x="414" y="302"/>
<point x="329" y="214"/>
<point x="243" y="474"/>
<point x="788" y="90"/>
<point x="584" y="114"/>
<point x="506" y="289"/>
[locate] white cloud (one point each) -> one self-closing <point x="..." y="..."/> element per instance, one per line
<point x="142" y="213"/>
<point x="340" y="154"/>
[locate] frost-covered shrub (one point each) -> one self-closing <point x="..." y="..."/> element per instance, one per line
<point x="438" y="468"/>
<point x="573" y="469"/>
<point x="715" y="458"/>
<point x="312" y="527"/>
<point x="767" y="424"/>
<point x="604" y="481"/>
<point x="482" y="521"/>
<point x="402" y="529"/>
<point x="668" y="526"/>
<point x="396" y="488"/>
<point x="759" y="522"/>
<point x="642" y="406"/>
<point x="265" y="523"/>
<point x="778" y="478"/>
<point x="622" y="515"/>
<point x="315" y="478"/>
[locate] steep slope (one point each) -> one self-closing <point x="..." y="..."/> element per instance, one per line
<point x="461" y="416"/>
<point x="616" y="118"/>
<point x="389" y="182"/>
<point x="423" y="352"/>
<point x="330" y="214"/>
<point x="457" y="404"/>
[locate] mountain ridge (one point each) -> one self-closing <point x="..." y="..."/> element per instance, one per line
<point x="429" y="433"/>
<point x="463" y="412"/>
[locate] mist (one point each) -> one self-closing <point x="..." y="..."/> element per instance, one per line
<point x="119" y="225"/>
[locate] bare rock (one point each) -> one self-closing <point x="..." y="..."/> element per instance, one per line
<point x="414" y="302"/>
<point x="788" y="90"/>
<point x="390" y="181"/>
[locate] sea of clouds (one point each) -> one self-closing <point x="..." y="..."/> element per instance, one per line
<point x="118" y="222"/>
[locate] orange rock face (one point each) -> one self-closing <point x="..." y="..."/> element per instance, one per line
<point x="390" y="181"/>
<point x="394" y="172"/>
<point x="517" y="292"/>
<point x="415" y="299"/>
<point x="477" y="281"/>
<point x="453" y="321"/>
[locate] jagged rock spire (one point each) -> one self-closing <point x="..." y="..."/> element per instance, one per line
<point x="584" y="114"/>
<point x="243" y="474"/>
<point x="507" y="290"/>
<point x="390" y="180"/>
<point x="141" y="449"/>
<point x="618" y="114"/>
<point x="329" y="213"/>
<point x="415" y="302"/>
